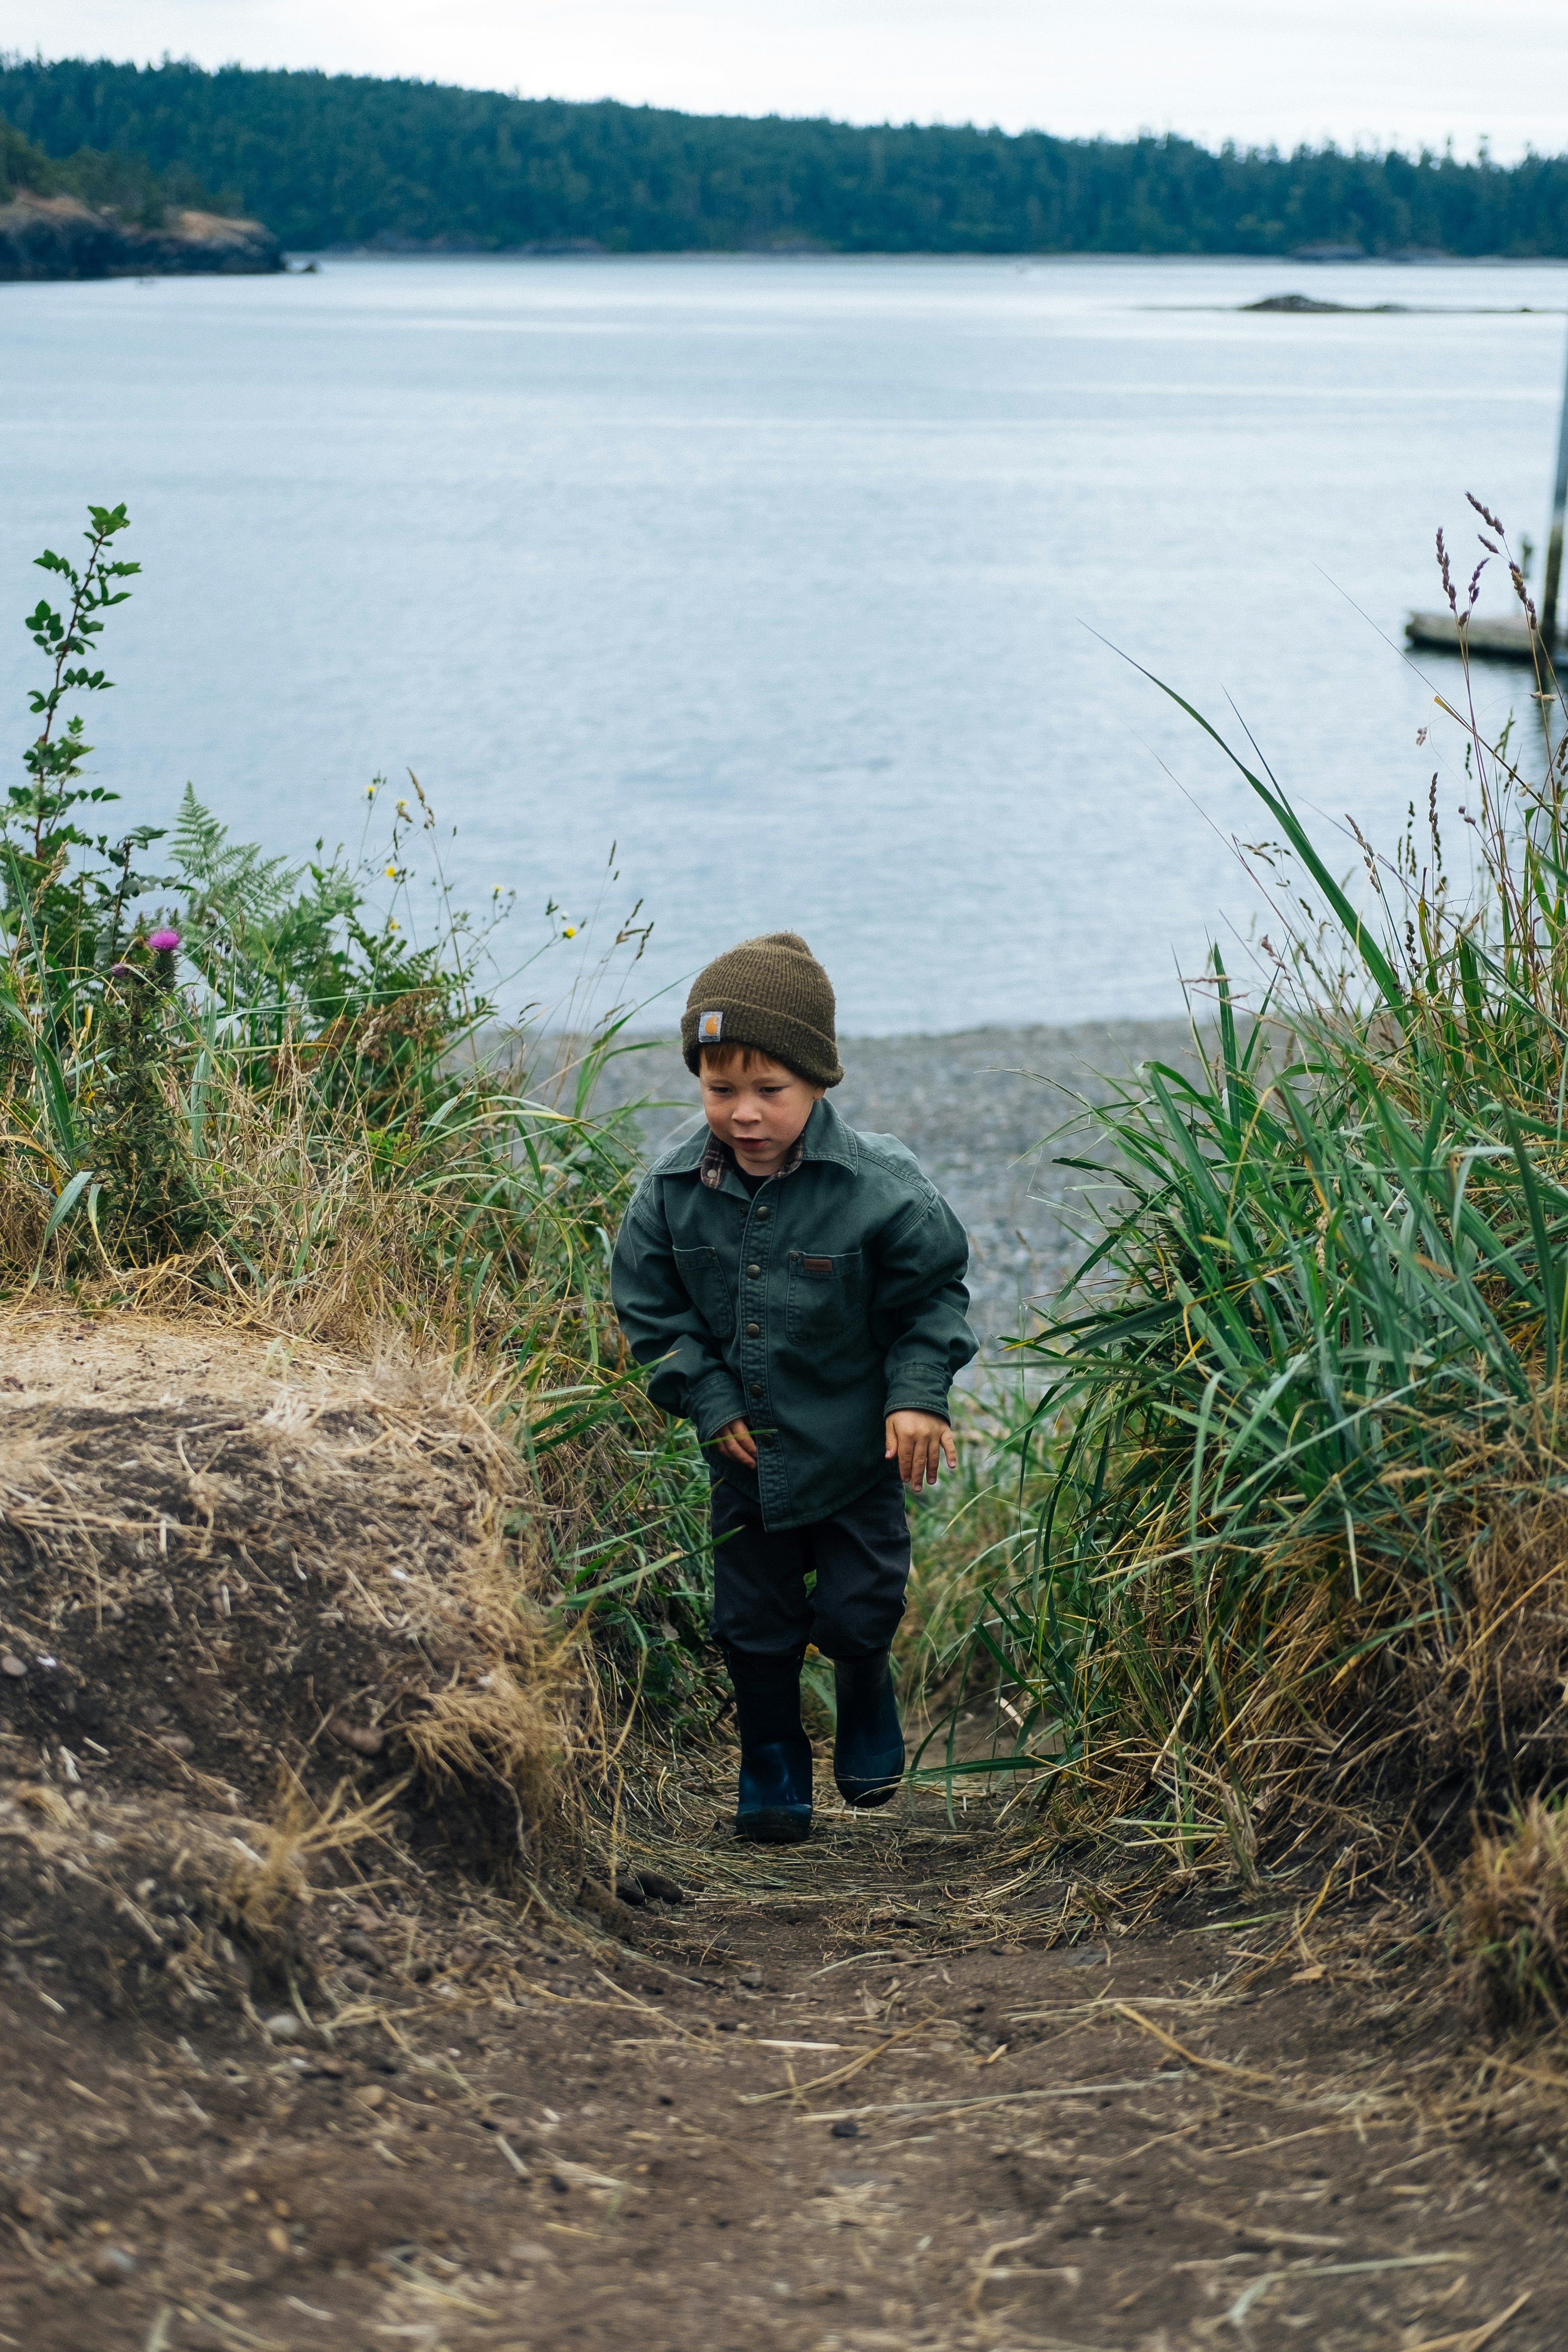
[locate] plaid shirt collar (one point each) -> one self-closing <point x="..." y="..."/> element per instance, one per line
<point x="718" y="1156"/>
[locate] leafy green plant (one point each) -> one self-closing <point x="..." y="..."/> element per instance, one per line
<point x="73" y="922"/>
<point x="62" y="912"/>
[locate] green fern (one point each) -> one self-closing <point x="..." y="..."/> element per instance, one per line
<point x="229" y="885"/>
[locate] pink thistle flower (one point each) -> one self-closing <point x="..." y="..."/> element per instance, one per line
<point x="163" y="942"/>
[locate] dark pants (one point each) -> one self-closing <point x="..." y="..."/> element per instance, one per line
<point x="860" y="1555"/>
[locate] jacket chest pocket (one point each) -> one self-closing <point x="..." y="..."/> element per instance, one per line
<point x="702" y="1273"/>
<point x="823" y="1302"/>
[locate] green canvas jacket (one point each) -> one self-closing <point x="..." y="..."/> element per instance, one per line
<point x="832" y="1297"/>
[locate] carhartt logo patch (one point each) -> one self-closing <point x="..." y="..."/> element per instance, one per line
<point x="817" y="1265"/>
<point x="710" y="1028"/>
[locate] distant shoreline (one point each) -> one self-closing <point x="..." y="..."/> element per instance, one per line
<point x="787" y="257"/>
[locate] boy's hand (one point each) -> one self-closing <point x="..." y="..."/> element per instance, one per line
<point x="737" y="1442"/>
<point x="921" y="1441"/>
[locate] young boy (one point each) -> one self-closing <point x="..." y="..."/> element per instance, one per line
<point x="799" y="1289"/>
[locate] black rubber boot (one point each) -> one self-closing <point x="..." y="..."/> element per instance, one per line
<point x="869" y="1750"/>
<point x="775" y="1804"/>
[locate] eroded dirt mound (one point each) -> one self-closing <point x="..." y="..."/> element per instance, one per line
<point x="296" y="1597"/>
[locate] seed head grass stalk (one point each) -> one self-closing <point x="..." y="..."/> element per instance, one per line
<point x="1288" y="1490"/>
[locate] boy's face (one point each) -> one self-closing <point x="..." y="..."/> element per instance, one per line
<point x="756" y="1106"/>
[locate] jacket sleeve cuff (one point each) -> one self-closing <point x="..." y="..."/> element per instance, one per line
<point x="715" y="1402"/>
<point x="912" y="1393"/>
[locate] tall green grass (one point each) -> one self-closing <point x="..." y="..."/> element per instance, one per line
<point x="1308" y="1375"/>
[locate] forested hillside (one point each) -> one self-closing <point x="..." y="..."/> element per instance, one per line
<point x="109" y="213"/>
<point x="327" y="159"/>
<point x="121" y="181"/>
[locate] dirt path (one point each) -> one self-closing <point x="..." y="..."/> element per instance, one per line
<point x="908" y="2086"/>
<point x="583" y="2133"/>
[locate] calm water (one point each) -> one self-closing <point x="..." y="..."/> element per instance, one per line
<point x="789" y="578"/>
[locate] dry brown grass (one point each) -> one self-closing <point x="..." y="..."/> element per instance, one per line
<point x="528" y="1726"/>
<point x="474" y="1236"/>
<point x="1511" y="1923"/>
<point x="1492" y="1700"/>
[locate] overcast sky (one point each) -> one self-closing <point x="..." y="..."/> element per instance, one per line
<point x="1401" y="71"/>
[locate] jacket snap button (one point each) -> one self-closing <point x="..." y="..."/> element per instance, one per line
<point x="762" y="1213"/>
<point x="753" y="1330"/>
<point x="753" y="1271"/>
<point x="756" y="1388"/>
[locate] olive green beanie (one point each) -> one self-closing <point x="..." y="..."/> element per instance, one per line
<point x="770" y="994"/>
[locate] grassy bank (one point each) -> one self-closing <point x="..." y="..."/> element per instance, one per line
<point x="241" y="1090"/>
<point x="1288" y="1568"/>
